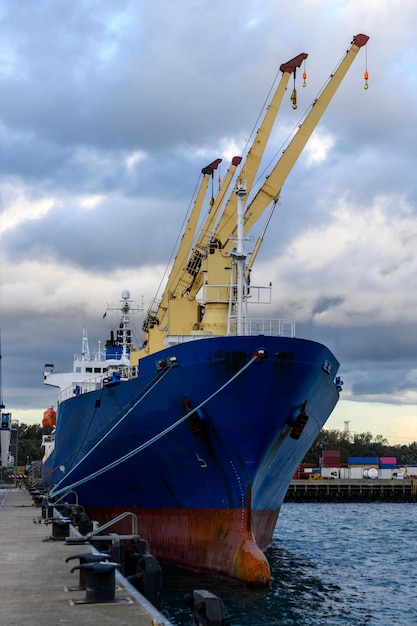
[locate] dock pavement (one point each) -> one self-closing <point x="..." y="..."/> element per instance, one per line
<point x="35" y="580"/>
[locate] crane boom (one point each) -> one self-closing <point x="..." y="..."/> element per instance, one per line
<point x="256" y="152"/>
<point x="250" y="167"/>
<point x="187" y="265"/>
<point x="185" y="245"/>
<point x="208" y="261"/>
<point x="271" y="188"/>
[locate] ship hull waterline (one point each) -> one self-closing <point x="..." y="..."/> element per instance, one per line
<point x="206" y="486"/>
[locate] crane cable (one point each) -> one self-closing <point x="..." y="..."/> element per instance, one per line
<point x="138" y="401"/>
<point x="366" y="75"/>
<point x="86" y="441"/>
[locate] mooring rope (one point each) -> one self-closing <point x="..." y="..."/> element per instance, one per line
<point x="128" y="455"/>
<point x="148" y="390"/>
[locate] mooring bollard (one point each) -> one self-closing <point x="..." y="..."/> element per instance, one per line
<point x="148" y="578"/>
<point x="100" y="581"/>
<point x="207" y="609"/>
<point x="47" y="510"/>
<point x="60" y="528"/>
<point x="86" y="557"/>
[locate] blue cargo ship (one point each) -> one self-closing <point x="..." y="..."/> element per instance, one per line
<point x="199" y="431"/>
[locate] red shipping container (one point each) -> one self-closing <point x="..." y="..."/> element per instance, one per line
<point x="330" y="458"/>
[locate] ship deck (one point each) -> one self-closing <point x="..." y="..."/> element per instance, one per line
<point x="34" y="577"/>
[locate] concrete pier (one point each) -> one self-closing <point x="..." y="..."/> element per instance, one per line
<point x="35" y="580"/>
<point x="337" y="490"/>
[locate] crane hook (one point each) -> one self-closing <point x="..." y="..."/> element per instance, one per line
<point x="366" y="76"/>
<point x="294" y="98"/>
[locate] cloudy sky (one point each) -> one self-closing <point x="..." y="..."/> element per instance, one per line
<point x="108" y="111"/>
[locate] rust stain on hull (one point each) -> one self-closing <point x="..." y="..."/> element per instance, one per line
<point x="211" y="540"/>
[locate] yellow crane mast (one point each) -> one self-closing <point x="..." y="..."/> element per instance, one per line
<point x="209" y="263"/>
<point x="271" y="188"/>
<point x="171" y="313"/>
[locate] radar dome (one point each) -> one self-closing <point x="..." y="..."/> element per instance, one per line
<point x="125" y="294"/>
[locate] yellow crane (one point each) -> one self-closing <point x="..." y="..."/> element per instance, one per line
<point x="172" y="308"/>
<point x="208" y="263"/>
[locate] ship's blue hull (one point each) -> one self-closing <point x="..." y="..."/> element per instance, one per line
<point x="226" y="466"/>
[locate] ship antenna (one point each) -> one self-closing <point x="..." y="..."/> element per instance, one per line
<point x="2" y="406"/>
<point x="85" y="349"/>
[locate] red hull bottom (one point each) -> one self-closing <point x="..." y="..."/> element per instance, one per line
<point x="229" y="542"/>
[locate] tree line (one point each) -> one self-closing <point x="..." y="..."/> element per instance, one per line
<point x="358" y="444"/>
<point x="29" y="443"/>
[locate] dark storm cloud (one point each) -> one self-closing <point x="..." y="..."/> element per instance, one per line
<point x="126" y="102"/>
<point x="324" y="304"/>
<point x="385" y="381"/>
<point x="119" y="231"/>
<point x="105" y="79"/>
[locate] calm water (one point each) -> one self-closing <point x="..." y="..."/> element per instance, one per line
<point x="333" y="564"/>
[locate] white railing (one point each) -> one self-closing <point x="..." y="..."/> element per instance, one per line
<point x="268" y="327"/>
<point x="221" y="294"/>
<point x="95" y="384"/>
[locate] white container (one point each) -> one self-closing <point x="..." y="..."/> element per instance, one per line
<point x="355" y="473"/>
<point x="385" y="474"/>
<point x="330" y="472"/>
<point x="344" y="472"/>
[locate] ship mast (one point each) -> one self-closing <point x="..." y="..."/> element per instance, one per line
<point x="124" y="333"/>
<point x="239" y="257"/>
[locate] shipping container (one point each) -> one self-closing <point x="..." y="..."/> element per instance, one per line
<point x="364" y="466"/>
<point x="388" y="466"/>
<point x="344" y="472"/>
<point x="385" y="474"/>
<point x="330" y="453"/>
<point x="364" y="460"/>
<point x="355" y="473"/>
<point x="388" y="460"/>
<point x="330" y="472"/>
<point x="328" y="460"/>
